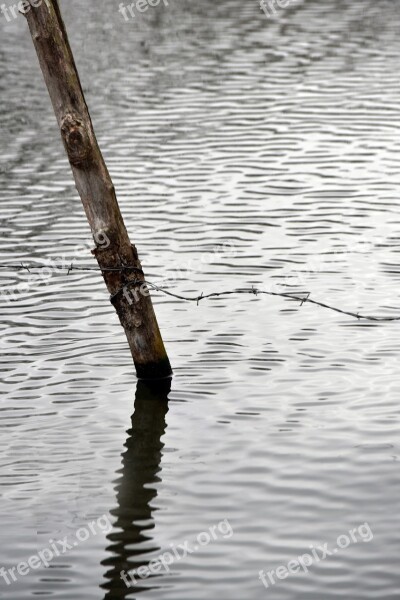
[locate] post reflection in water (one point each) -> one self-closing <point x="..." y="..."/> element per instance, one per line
<point x="131" y="539"/>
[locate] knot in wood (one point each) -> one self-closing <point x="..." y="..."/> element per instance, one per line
<point x="76" y="140"/>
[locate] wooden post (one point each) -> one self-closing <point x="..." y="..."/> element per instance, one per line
<point x="96" y="190"/>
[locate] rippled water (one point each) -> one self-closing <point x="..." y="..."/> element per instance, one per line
<point x="244" y="151"/>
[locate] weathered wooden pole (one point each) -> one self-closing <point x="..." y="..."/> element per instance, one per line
<point x="93" y="182"/>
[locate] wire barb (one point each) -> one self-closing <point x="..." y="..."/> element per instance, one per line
<point x="305" y="299"/>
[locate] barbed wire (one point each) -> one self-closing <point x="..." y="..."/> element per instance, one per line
<point x="71" y="267"/>
<point x="289" y="296"/>
<point x="297" y="297"/>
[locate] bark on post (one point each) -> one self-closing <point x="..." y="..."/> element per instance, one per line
<point x="96" y="190"/>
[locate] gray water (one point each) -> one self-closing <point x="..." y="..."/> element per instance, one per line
<point x="245" y="151"/>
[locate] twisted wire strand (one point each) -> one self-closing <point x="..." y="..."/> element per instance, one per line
<point x="32" y="267"/>
<point x="303" y="299"/>
<point x="256" y="292"/>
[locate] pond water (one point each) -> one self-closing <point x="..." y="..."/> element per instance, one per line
<point x="245" y="151"/>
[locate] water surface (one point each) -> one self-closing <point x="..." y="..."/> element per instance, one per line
<point x="244" y="151"/>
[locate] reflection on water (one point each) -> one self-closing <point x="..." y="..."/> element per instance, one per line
<point x="132" y="538"/>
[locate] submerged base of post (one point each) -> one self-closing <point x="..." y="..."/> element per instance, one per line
<point x="156" y="370"/>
